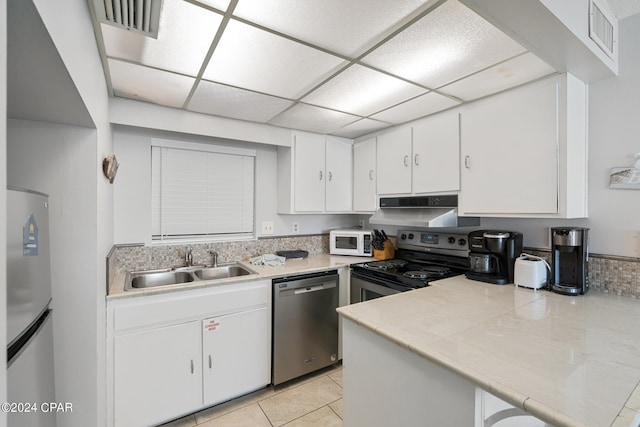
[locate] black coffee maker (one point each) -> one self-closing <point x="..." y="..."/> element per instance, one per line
<point x="492" y="255"/>
<point x="569" y="260"/>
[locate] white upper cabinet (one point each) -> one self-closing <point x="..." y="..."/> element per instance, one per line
<point x="394" y="161"/>
<point x="524" y="152"/>
<point x="309" y="173"/>
<point x="315" y="174"/>
<point x="338" y="169"/>
<point x="421" y="159"/>
<point x="364" y="176"/>
<point x="436" y="154"/>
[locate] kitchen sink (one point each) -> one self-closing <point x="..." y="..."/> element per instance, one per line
<point x="152" y="279"/>
<point x="222" y="272"/>
<point x="181" y="275"/>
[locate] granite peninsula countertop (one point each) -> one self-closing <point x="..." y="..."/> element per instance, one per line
<point x="570" y="361"/>
<point x="312" y="263"/>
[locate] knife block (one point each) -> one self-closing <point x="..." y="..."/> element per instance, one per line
<point x="387" y="253"/>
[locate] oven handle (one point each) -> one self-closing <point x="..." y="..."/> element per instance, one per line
<point x="378" y="281"/>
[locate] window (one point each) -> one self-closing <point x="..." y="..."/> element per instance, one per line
<point x="201" y="191"/>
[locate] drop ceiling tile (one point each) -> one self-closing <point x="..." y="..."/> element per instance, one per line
<point x="345" y="27"/>
<point x="184" y="36"/>
<point x="421" y="106"/>
<point x="148" y="84"/>
<point x="506" y="75"/>
<point x="313" y="119"/>
<point x="362" y="91"/>
<point x="227" y="101"/>
<point x="448" y="43"/>
<point x="361" y="127"/>
<point x="254" y="59"/>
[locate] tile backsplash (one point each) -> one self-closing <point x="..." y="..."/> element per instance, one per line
<point x="123" y="258"/>
<point x="608" y="274"/>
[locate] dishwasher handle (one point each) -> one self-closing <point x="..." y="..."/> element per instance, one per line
<point x="308" y="289"/>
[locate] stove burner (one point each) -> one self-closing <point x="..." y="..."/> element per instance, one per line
<point x="435" y="269"/>
<point x="416" y="274"/>
<point x="385" y="265"/>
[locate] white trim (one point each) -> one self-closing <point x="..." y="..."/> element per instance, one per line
<point x="168" y="143"/>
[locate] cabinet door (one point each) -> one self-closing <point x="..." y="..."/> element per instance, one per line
<point x="436" y="154"/>
<point x="338" y="182"/>
<point x="158" y="374"/>
<point x="236" y="354"/>
<point x="510" y="154"/>
<point x="394" y="162"/>
<point x="364" y="176"/>
<point x="309" y="172"/>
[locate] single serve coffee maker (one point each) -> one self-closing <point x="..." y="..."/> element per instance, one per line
<point x="569" y="260"/>
<point x="492" y="255"/>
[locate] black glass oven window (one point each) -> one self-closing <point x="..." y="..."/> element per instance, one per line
<point x="346" y="242"/>
<point x="368" y="294"/>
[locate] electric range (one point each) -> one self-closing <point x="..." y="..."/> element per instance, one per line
<point x="421" y="257"/>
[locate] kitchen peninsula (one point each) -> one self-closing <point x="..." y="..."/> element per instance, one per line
<point x="417" y="358"/>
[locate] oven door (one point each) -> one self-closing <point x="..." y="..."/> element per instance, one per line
<point x="365" y="288"/>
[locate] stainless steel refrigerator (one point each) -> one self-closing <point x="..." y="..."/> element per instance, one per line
<point x="30" y="378"/>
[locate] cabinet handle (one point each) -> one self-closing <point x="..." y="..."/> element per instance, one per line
<point x="210" y="362"/>
<point x="467" y="162"/>
<point x="406" y="160"/>
<point x="371" y="175"/>
<point x="330" y="175"/>
<point x="320" y="175"/>
<point x="192" y="366"/>
<point x="415" y="160"/>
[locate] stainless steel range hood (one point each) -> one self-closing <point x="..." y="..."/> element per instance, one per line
<point x="421" y="211"/>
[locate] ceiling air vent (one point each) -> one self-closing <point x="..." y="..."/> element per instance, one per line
<point x="603" y="29"/>
<point x="140" y="16"/>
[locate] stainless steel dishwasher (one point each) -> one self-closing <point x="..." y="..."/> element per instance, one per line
<point x="305" y="324"/>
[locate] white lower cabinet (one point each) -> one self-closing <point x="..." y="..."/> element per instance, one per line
<point x="158" y="374"/>
<point x="233" y="354"/>
<point x="175" y="353"/>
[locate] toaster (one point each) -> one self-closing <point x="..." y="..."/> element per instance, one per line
<point x="530" y="272"/>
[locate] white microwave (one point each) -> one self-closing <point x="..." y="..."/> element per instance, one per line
<point x="350" y="242"/>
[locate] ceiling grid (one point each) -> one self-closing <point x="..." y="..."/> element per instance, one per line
<point x="334" y="67"/>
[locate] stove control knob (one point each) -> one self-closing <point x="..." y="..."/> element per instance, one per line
<point x="451" y="240"/>
<point x="411" y="236"/>
<point x="403" y="237"/>
<point x="462" y="242"/>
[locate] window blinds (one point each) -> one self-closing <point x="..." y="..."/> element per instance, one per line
<point x="200" y="193"/>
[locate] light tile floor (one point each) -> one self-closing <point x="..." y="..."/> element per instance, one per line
<point x="313" y="400"/>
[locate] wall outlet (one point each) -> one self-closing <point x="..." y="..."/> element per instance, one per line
<point x="295" y="228"/>
<point x="361" y="223"/>
<point x="267" y="227"/>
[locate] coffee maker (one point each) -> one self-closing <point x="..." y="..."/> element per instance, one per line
<point x="569" y="260"/>
<point x="492" y="255"/>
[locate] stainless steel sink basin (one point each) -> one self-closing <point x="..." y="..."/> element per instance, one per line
<point x="151" y="279"/>
<point x="154" y="278"/>
<point x="222" y="272"/>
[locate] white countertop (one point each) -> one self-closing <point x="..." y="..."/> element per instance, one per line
<point x="310" y="264"/>
<point x="571" y="361"/>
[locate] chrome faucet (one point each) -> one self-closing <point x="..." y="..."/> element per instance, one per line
<point x="214" y="258"/>
<point x="188" y="258"/>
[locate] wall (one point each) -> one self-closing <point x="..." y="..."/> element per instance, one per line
<point x="132" y="205"/>
<point x="614" y="127"/>
<point x="3" y="203"/>
<point x="56" y="160"/>
<point x="71" y="172"/>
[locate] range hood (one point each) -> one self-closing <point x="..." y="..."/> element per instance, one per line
<point x="421" y="211"/>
